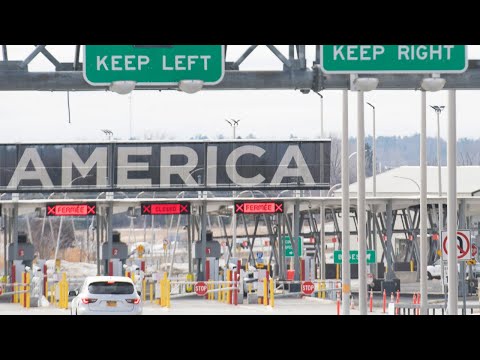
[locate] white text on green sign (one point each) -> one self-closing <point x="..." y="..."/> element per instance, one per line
<point x="337" y="256"/>
<point x="153" y="64"/>
<point x="347" y="59"/>
<point x="289" y="247"/>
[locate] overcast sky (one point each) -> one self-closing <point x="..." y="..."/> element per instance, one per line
<point x="273" y="114"/>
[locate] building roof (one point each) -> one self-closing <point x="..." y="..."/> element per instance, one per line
<point x="396" y="182"/>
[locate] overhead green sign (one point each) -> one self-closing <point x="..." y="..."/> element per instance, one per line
<point x="337" y="256"/>
<point x="289" y="247"/>
<point x="356" y="59"/>
<point x="153" y="64"/>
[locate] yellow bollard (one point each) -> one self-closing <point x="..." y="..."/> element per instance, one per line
<point x="249" y="288"/>
<point x="64" y="292"/>
<point x="22" y="287"/>
<point x="411" y="265"/>
<point x="229" y="293"/>
<point x="265" y="292"/>
<point x="144" y="289"/>
<point x="338" y="272"/>
<point x="168" y="292"/>
<point x="272" y="293"/>
<point x="189" y="287"/>
<point x="162" y="292"/>
<point x="151" y="292"/>
<point x="324" y="293"/>
<point x="15" y="295"/>
<point x="52" y="294"/>
<point x="27" y="298"/>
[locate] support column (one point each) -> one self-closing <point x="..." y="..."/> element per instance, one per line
<point x="362" y="246"/>
<point x="423" y="206"/>
<point x="388" y="254"/>
<point x="97" y="230"/>
<point x="463" y="286"/>
<point x="345" y="212"/>
<point x="5" y="261"/>
<point x="322" y="242"/>
<point x="452" y="204"/>
<point x="14" y="228"/>
<point x="296" y="233"/>
<point x="189" y="243"/>
<point x="204" y="240"/>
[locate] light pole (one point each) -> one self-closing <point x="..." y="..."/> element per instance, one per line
<point x="374" y="155"/>
<point x="234" y="123"/>
<point x="407" y="178"/>
<point x="107" y="132"/>
<point x="438" y="110"/>
<point x="321" y="113"/>
<point x="61" y="220"/>
<point x="374" y="183"/>
<point x="130" y="115"/>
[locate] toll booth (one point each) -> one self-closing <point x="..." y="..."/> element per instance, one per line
<point x="212" y="251"/>
<point x="113" y="261"/>
<point x="307" y="268"/>
<point x="23" y="256"/>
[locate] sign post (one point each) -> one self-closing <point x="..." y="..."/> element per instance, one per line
<point x="392" y="59"/>
<point x="200" y="288"/>
<point x="289" y="247"/>
<point x="337" y="256"/>
<point x="463" y="245"/>
<point x="308" y="287"/>
<point x="153" y="64"/>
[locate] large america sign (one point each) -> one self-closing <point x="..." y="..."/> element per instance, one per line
<point x="165" y="166"/>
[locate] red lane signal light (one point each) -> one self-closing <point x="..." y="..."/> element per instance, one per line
<point x="258" y="207"/>
<point x="178" y="208"/>
<point x="72" y="209"/>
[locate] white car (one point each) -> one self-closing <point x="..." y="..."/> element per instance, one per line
<point x="107" y="295"/>
<point x="434" y="271"/>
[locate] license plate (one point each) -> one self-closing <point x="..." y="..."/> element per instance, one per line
<point x="111" y="303"/>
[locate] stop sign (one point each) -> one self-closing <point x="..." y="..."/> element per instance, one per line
<point x="308" y="288"/>
<point x="200" y="288"/>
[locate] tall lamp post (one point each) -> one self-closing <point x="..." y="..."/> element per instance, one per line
<point x="374" y="176"/>
<point x="438" y="110"/>
<point x="321" y="114"/>
<point x="233" y="123"/>
<point x="374" y="155"/>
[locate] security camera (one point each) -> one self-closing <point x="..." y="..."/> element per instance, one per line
<point x="27" y="268"/>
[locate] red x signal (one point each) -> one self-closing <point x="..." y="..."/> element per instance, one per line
<point x="239" y="208"/>
<point x="50" y="210"/>
<point x="147" y="209"/>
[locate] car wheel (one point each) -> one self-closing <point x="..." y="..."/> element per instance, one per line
<point x="430" y="277"/>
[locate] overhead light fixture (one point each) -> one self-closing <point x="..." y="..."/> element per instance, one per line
<point x="190" y="86"/>
<point x="123" y="87"/>
<point x="365" y="84"/>
<point x="433" y="84"/>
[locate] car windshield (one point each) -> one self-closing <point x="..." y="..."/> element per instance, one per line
<point x="114" y="288"/>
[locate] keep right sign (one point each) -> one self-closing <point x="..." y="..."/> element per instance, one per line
<point x="464" y="245"/>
